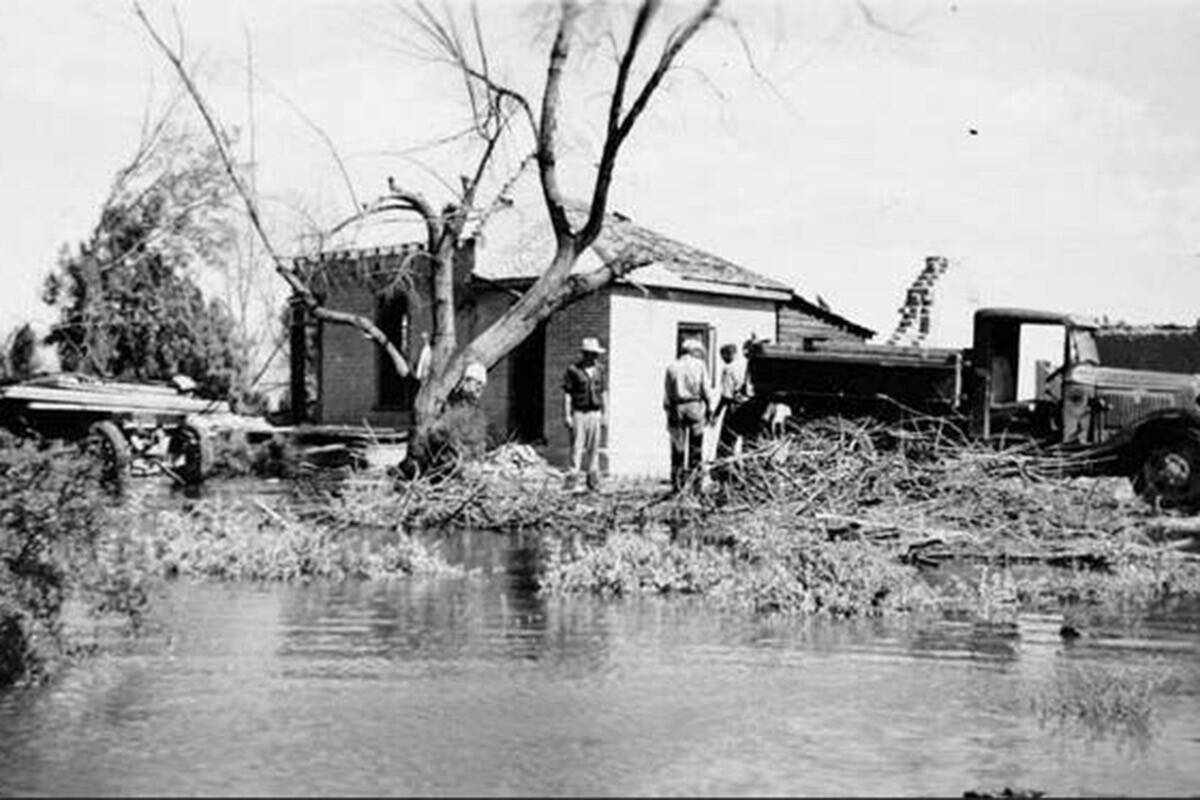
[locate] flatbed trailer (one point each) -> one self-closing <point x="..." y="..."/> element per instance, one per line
<point x="118" y="420"/>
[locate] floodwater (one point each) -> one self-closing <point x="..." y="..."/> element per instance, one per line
<point x="475" y="685"/>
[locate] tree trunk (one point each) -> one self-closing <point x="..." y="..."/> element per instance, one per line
<point x="444" y="338"/>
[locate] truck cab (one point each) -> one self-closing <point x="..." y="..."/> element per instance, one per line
<point x="1010" y="347"/>
<point x="1139" y="422"/>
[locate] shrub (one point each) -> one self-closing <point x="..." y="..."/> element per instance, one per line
<point x="231" y="540"/>
<point x="767" y="566"/>
<point x="631" y="563"/>
<point x="51" y="535"/>
<point x="1104" y="699"/>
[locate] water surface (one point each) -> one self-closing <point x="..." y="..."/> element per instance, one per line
<point x="475" y="685"/>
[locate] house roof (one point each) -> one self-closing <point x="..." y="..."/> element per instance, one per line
<point x="823" y="313"/>
<point x="518" y="243"/>
<point x="672" y="263"/>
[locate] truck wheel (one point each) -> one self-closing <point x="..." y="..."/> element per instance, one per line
<point x="1169" y="474"/>
<point x="106" y="442"/>
<point x="195" y="450"/>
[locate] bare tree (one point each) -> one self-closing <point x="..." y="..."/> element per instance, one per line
<point x="282" y="267"/>
<point x="495" y="108"/>
<point x="500" y="111"/>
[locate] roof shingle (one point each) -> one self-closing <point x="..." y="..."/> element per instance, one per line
<point x="526" y="255"/>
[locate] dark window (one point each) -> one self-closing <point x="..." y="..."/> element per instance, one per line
<point x="707" y="335"/>
<point x="391" y="315"/>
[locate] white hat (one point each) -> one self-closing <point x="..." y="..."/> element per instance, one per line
<point x="693" y="346"/>
<point x="475" y="371"/>
<point x="591" y="345"/>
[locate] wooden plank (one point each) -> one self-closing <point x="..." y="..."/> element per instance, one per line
<point x="141" y="412"/>
<point x="73" y="381"/>
<point x="110" y="400"/>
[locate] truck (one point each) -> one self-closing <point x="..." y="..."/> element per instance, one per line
<point x="1088" y="418"/>
<point x="159" y="424"/>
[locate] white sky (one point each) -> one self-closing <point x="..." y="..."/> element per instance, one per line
<point x="1080" y="191"/>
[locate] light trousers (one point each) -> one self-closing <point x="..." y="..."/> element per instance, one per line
<point x="586" y="430"/>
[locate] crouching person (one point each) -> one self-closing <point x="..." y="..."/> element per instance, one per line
<point x="585" y="400"/>
<point x="458" y="433"/>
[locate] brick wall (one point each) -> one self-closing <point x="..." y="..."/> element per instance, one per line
<point x="564" y="332"/>
<point x="350" y="362"/>
<point x="348" y="376"/>
<point x="489" y="305"/>
<point x="1165" y="349"/>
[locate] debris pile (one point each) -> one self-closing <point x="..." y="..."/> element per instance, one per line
<point x="933" y="493"/>
<point x="518" y="462"/>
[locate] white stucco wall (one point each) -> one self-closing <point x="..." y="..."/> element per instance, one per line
<point x="642" y="343"/>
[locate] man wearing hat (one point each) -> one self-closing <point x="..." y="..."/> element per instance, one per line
<point x="585" y="398"/>
<point x="688" y="401"/>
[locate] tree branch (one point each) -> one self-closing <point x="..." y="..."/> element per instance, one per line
<point x="612" y="136"/>
<point x="502" y="198"/>
<point x="585" y="283"/>
<point x="319" y="131"/>
<point x="368" y="328"/>
<point x="485" y="97"/>
<point x="548" y="129"/>
<point x="618" y="127"/>
<point x="453" y="51"/>
<point x="403" y="199"/>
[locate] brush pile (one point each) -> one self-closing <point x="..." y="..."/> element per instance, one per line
<point x="844" y="479"/>
<point x="933" y="493"/>
<point x="839" y="516"/>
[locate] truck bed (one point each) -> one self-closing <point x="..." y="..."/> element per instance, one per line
<point x="854" y="378"/>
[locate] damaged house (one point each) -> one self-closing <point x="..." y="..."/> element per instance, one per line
<point x="641" y="319"/>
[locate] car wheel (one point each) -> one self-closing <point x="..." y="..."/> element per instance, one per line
<point x="194" y="453"/>
<point x="1169" y="473"/>
<point x="106" y="442"/>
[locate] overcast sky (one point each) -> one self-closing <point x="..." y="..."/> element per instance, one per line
<point x="1049" y="149"/>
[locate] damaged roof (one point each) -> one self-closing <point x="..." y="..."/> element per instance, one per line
<point x="526" y="254"/>
<point x="518" y="244"/>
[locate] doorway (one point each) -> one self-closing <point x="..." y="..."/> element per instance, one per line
<point x="526" y="388"/>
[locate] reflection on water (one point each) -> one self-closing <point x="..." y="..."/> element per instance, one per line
<point x="475" y="685"/>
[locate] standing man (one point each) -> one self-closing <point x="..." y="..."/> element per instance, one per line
<point x="585" y="398"/>
<point x="735" y="391"/>
<point x="688" y="401"/>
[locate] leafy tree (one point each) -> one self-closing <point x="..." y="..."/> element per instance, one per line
<point x="128" y="300"/>
<point x="21" y="351"/>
